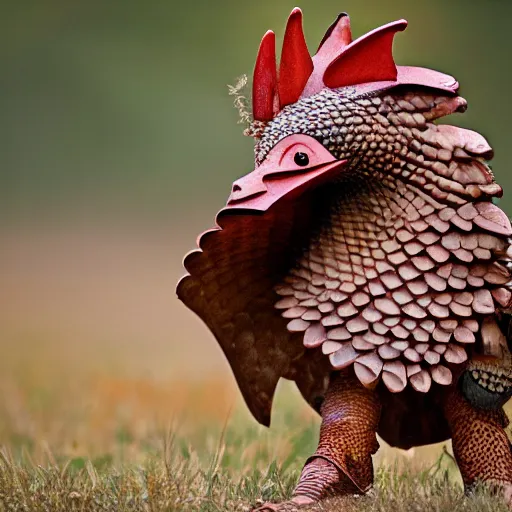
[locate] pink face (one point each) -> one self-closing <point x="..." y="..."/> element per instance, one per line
<point x="296" y="163"/>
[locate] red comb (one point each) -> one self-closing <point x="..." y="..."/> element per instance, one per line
<point x="296" y="64"/>
<point x="337" y="37"/>
<point x="366" y="63"/>
<point x="367" y="59"/>
<point x="264" y="89"/>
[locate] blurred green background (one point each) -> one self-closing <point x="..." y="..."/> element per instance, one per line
<point x="121" y="107"/>
<point x="119" y="142"/>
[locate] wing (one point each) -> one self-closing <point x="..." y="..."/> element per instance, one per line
<point x="230" y="286"/>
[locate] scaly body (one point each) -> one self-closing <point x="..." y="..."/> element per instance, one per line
<point x="364" y="259"/>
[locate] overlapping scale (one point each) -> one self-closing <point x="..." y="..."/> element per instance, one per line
<point x="405" y="266"/>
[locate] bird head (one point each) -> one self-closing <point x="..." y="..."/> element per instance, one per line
<point x="320" y="116"/>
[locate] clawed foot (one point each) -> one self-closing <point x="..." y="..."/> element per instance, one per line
<point x="287" y="506"/>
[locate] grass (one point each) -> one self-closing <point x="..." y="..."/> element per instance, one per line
<point x="121" y="444"/>
<point x="179" y="483"/>
<point x="121" y="401"/>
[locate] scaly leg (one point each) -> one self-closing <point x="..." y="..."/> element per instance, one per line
<point x="342" y="463"/>
<point x="480" y="445"/>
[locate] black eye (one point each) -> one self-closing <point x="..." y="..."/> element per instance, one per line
<point x="301" y="159"/>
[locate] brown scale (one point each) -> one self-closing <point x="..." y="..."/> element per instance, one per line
<point x="403" y="266"/>
<point x="396" y="274"/>
<point x="477" y="434"/>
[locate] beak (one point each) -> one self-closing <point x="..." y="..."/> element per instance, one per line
<point x="264" y="186"/>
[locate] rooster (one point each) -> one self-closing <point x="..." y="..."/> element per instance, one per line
<point x="365" y="260"/>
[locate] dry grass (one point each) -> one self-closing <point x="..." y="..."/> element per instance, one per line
<point x="120" y="400"/>
<point x="180" y="483"/>
<point x="114" y="444"/>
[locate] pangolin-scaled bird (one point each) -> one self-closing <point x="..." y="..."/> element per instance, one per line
<point x="365" y="260"/>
